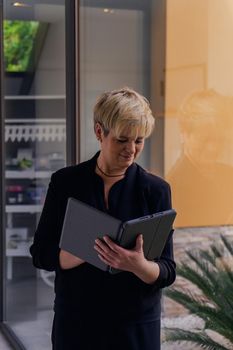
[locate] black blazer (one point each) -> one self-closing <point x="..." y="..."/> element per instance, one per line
<point x="85" y="287"/>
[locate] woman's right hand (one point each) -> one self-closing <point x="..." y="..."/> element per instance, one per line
<point x="68" y="260"/>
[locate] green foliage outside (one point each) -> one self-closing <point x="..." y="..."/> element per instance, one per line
<point x="209" y="297"/>
<point x="18" y="43"/>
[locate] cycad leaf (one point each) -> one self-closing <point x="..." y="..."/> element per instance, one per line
<point x="215" y="319"/>
<point x="210" y="273"/>
<point x="200" y="338"/>
<point x="227" y="244"/>
<point x="209" y="281"/>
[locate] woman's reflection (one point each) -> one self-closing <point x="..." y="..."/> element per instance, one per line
<point x="202" y="183"/>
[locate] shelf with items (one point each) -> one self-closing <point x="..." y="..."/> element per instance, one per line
<point x="34" y="97"/>
<point x="26" y="165"/>
<point x="28" y="174"/>
<point x="17" y="245"/>
<point x="18" y="237"/>
<point x="37" y="129"/>
<point x="35" y="137"/>
<point x="17" y="242"/>
<point x="24" y="208"/>
<point x="25" y="191"/>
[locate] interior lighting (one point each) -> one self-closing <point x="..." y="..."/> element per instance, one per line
<point x="108" y="10"/>
<point x="20" y="4"/>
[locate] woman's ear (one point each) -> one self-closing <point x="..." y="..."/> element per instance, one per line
<point x="98" y="132"/>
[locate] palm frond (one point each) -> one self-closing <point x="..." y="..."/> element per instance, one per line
<point x="209" y="257"/>
<point x="218" y="273"/>
<point x="209" y="280"/>
<point x="199" y="338"/>
<point x="227" y="244"/>
<point x="208" y="271"/>
<point x="216" y="319"/>
<point x="193" y="275"/>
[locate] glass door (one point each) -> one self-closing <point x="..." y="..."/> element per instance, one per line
<point x="122" y="43"/>
<point x="34" y="104"/>
<point x="114" y="52"/>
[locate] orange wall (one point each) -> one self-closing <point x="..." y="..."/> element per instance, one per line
<point x="198" y="114"/>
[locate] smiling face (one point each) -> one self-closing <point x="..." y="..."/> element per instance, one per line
<point x="118" y="152"/>
<point x="122" y="121"/>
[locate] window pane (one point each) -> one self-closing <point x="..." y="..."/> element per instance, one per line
<point x="35" y="138"/>
<point x="198" y="131"/>
<point x="198" y="157"/>
<point x="114" y="49"/>
<point x="180" y="58"/>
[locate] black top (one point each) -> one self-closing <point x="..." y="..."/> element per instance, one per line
<point x="93" y="292"/>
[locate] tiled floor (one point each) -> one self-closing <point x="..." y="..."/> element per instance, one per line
<point x="29" y="312"/>
<point x="34" y="341"/>
<point x="4" y="345"/>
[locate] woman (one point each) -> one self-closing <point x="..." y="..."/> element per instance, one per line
<point x="94" y="309"/>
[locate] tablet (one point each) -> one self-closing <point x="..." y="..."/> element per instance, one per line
<point x="155" y="229"/>
<point x="83" y="224"/>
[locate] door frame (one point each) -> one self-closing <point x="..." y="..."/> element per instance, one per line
<point x="71" y="150"/>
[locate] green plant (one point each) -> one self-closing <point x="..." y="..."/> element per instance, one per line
<point x="211" y="274"/>
<point x="19" y="39"/>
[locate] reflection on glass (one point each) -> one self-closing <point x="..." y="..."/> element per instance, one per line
<point x="35" y="138"/>
<point x="19" y="38"/>
<point x="201" y="179"/>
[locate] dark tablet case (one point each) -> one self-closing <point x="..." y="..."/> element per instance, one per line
<point x="83" y="224"/>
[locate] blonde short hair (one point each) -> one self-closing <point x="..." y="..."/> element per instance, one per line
<point x="124" y="109"/>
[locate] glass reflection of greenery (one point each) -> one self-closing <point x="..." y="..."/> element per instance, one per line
<point x="19" y="38"/>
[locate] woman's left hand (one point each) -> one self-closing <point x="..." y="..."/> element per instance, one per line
<point x="119" y="258"/>
<point x="132" y="260"/>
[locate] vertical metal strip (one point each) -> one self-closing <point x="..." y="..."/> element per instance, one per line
<point x="9" y="334"/>
<point x="77" y="78"/>
<point x="2" y="177"/>
<point x="157" y="98"/>
<point x="72" y="102"/>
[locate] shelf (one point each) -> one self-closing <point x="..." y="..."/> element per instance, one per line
<point x="38" y="130"/>
<point x="24" y="208"/>
<point x="35" y="120"/>
<point x="27" y="174"/>
<point x="35" y="97"/>
<point x="23" y="251"/>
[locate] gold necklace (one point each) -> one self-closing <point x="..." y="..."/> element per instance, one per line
<point x="108" y="174"/>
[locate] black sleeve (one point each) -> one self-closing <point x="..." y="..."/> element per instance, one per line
<point x="167" y="265"/>
<point x="45" y="248"/>
<point x="166" y="262"/>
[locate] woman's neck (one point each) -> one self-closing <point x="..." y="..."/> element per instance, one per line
<point x="109" y="173"/>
